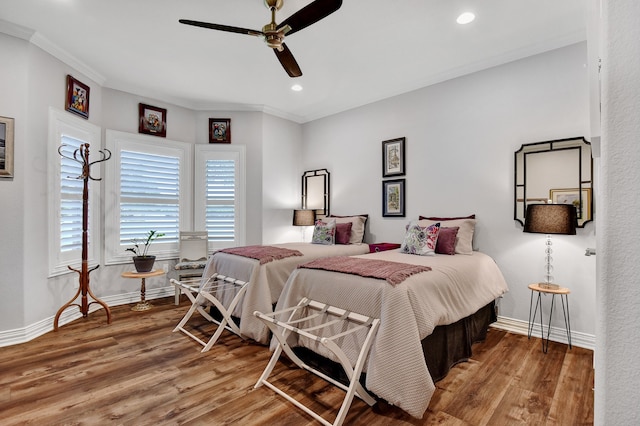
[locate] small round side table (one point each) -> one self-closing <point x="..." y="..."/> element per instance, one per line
<point x="143" y="305"/>
<point x="553" y="289"/>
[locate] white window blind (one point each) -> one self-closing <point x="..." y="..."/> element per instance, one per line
<point x="149" y="188"/>
<point x="219" y="201"/>
<point x="70" y="196"/>
<point x="149" y="195"/>
<point x="65" y="192"/>
<point x="221" y="195"/>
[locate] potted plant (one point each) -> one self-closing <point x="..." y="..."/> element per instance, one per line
<point x="142" y="261"/>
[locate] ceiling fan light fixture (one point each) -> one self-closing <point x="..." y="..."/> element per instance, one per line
<point x="296" y="88"/>
<point x="465" y="18"/>
<point x="274" y="40"/>
<point x="273" y="33"/>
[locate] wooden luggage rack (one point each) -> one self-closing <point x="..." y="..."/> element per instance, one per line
<point x="201" y="292"/>
<point x="334" y="316"/>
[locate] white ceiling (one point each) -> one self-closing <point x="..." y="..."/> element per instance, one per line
<point x="366" y="51"/>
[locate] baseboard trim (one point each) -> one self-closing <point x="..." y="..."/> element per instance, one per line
<point x="30" y="332"/>
<point x="558" y="334"/>
<point x="22" y="335"/>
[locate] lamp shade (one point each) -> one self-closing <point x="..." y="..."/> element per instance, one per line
<point x="551" y="219"/>
<point x="304" y="217"/>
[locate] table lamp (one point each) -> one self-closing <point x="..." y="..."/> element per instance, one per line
<point x="304" y="218"/>
<point x="550" y="219"/>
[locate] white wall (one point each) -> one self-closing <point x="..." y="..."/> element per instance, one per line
<point x="282" y="173"/>
<point x="461" y="136"/>
<point x="32" y="82"/>
<point x="13" y="86"/>
<point x="618" y="331"/>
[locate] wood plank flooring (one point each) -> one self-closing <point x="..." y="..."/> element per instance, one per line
<point x="136" y="371"/>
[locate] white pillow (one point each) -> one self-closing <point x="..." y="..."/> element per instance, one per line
<point x="464" y="239"/>
<point x="357" y="227"/>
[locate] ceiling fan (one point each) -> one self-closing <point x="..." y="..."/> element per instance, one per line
<point x="274" y="34"/>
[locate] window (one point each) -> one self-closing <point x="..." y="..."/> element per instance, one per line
<point x="149" y="187"/>
<point x="149" y="195"/>
<point x="220" y="194"/>
<point x="66" y="191"/>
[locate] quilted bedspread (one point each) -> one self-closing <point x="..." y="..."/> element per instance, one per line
<point x="456" y="287"/>
<point x="267" y="280"/>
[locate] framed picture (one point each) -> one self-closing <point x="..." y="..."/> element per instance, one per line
<point x="77" y="97"/>
<point x="153" y="120"/>
<point x="219" y="130"/>
<point x="572" y="196"/>
<point x="393" y="198"/>
<point x="6" y="147"/>
<point x="393" y="157"/>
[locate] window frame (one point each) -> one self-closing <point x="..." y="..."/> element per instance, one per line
<point x="63" y="124"/>
<point x="224" y="152"/>
<point x="118" y="141"/>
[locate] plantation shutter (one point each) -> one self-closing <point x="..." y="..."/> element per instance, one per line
<point x="70" y="197"/>
<point x="220" y="217"/>
<point x="149" y="195"/>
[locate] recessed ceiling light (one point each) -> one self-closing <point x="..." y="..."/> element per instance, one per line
<point x="465" y="18"/>
<point x="296" y="88"/>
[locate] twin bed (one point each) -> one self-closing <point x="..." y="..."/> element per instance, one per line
<point x="267" y="280"/>
<point x="457" y="288"/>
<point x="428" y="320"/>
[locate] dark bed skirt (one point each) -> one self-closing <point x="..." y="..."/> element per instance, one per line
<point x="444" y="348"/>
<point x="451" y="344"/>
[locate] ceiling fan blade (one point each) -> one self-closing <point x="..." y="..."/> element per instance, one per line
<point x="310" y="14"/>
<point x="222" y="27"/>
<point x="288" y="61"/>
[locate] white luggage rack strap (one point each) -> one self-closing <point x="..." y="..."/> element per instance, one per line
<point x="202" y="292"/>
<point x="282" y="330"/>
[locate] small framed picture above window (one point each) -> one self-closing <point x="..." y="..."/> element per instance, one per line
<point x="153" y="120"/>
<point x="219" y="130"/>
<point x="77" y="100"/>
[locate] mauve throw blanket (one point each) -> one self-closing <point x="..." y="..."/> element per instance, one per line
<point x="264" y="254"/>
<point x="393" y="272"/>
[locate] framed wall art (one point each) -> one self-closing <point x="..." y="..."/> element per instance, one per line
<point x="153" y="120"/>
<point x="219" y="130"/>
<point x="393" y="198"/>
<point x="581" y="199"/>
<point x="77" y="100"/>
<point x="393" y="157"/>
<point x="6" y="147"/>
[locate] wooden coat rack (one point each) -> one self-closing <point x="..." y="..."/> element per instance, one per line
<point x="81" y="155"/>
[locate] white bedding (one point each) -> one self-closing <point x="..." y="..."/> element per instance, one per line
<point x="267" y="280"/>
<point x="456" y="287"/>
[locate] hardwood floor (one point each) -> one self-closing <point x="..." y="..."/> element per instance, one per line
<point x="136" y="371"/>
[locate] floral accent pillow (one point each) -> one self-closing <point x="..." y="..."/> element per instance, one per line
<point x="419" y="240"/>
<point x="324" y="232"/>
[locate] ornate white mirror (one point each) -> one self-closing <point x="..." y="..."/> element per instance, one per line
<point x="315" y="191"/>
<point x="558" y="172"/>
